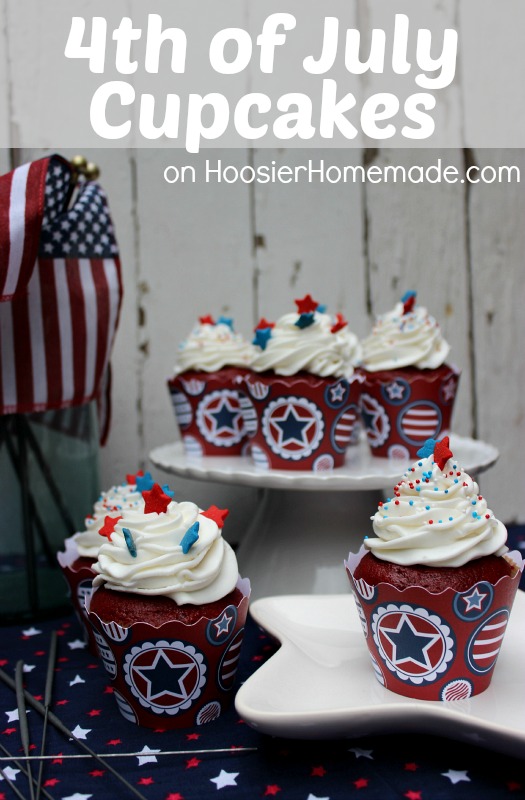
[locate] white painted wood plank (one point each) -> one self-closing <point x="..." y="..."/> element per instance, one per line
<point x="5" y="92"/>
<point x="311" y="237"/>
<point x="194" y="259"/>
<point x="497" y="232"/>
<point x="416" y="240"/>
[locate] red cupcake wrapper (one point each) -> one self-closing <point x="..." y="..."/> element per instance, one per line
<point x="402" y="408"/>
<point x="175" y="675"/>
<point x="79" y="576"/>
<point x="434" y="646"/>
<point x="300" y="422"/>
<point x="208" y="411"/>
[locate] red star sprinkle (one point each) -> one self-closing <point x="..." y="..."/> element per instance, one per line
<point x="272" y="790"/>
<point x="339" y="324"/>
<point x="263" y="323"/>
<point x="207" y="320"/>
<point x="306" y="305"/>
<point x="442" y="452"/>
<point x="218" y="515"/>
<point x="155" y="499"/>
<point x="132" y="479"/>
<point x="361" y="783"/>
<point x="409" y="301"/>
<point x="109" y="526"/>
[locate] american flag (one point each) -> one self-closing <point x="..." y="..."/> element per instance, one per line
<point x="61" y="285"/>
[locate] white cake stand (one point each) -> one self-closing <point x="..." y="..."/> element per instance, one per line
<point x="306" y="522"/>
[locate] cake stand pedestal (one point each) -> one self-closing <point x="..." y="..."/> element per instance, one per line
<point x="307" y="522"/>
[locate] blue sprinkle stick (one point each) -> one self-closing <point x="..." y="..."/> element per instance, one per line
<point x="408" y="295"/>
<point x="129" y="542"/>
<point x="144" y="482"/>
<point x="305" y="320"/>
<point x="166" y="489"/>
<point x="190" y="537"/>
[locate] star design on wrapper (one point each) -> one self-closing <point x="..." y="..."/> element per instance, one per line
<point x="207" y="320"/>
<point x="449" y="389"/>
<point x="218" y="515"/>
<point x="442" y="452"/>
<point x="395" y="391"/>
<point x="307" y="305"/>
<point x="337" y="393"/>
<point x="339" y="324"/>
<point x="162" y="677"/>
<point x="474" y="600"/>
<point x="408" y="644"/>
<point x="109" y="526"/>
<point x="155" y="500"/>
<point x="225" y="416"/>
<point x="223" y="624"/>
<point x="290" y="427"/>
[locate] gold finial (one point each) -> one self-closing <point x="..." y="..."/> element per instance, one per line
<point x="92" y="172"/>
<point x="79" y="163"/>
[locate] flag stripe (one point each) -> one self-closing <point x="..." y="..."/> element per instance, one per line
<point x="51" y="331"/>
<point x="91" y="319"/>
<point x="22" y="345"/>
<point x="38" y="349"/>
<point x="8" y="358"/>
<point x="66" y="335"/>
<point x="17" y="222"/>
<point x="78" y="325"/>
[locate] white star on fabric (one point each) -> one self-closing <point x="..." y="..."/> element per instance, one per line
<point x="144" y="757"/>
<point x="31" y="632"/>
<point x="225" y="779"/>
<point x="81" y="733"/>
<point x="77" y="796"/>
<point x="12" y="716"/>
<point x="361" y="753"/>
<point x="456" y="775"/>
<point x="76" y="644"/>
<point x="76" y="679"/>
<point x="9" y="773"/>
<point x="314" y="797"/>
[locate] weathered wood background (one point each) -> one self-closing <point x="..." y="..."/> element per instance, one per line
<point x="189" y="249"/>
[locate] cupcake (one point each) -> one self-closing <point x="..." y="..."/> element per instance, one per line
<point x="204" y="388"/>
<point x="408" y="391"/>
<point x="434" y="587"/>
<point x="168" y="610"/>
<point x="301" y="396"/>
<point x="81" y="549"/>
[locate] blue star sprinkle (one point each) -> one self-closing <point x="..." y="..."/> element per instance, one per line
<point x="427" y="449"/>
<point x="166" y="489"/>
<point x="321" y="309"/>
<point x="408" y="295"/>
<point x="144" y="482"/>
<point x="305" y="320"/>
<point x="190" y="537"/>
<point x="262" y="335"/>
<point x="130" y="544"/>
<point x="225" y="321"/>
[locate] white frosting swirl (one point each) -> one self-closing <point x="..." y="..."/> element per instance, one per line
<point x="110" y="503"/>
<point x="314" y="348"/>
<point x="210" y="347"/>
<point x="436" y="518"/>
<point x="207" y="572"/>
<point x="399" y="340"/>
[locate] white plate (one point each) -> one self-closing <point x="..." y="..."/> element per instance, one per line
<point x="320" y="684"/>
<point x="362" y="471"/>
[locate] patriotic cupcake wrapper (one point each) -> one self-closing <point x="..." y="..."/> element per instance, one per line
<point x="175" y="675"/>
<point x="79" y="577"/>
<point x="403" y="408"/>
<point x="208" y="411"/>
<point x="301" y="422"/>
<point x="434" y="646"/>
